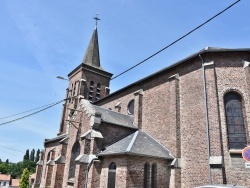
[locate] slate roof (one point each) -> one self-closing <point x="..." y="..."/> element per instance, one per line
<point x="138" y="143"/>
<point x="91" y="56"/>
<point x="115" y="118"/>
<point x="55" y="138"/>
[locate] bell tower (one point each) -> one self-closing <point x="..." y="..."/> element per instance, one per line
<point x="88" y="80"/>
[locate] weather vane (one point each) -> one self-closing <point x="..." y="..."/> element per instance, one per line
<point x="96" y="18"/>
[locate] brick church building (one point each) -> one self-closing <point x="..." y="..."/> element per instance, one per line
<point x="181" y="127"/>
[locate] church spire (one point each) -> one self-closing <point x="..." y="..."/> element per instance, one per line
<point x="91" y="56"/>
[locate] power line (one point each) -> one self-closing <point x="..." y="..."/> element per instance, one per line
<point x="11" y="149"/>
<point x="177" y="40"/>
<point x="33" y="113"/>
<point x="26" y="111"/>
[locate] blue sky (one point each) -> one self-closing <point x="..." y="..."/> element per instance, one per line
<point x="42" y="39"/>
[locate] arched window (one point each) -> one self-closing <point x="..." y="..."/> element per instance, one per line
<point x="98" y="91"/>
<point x="154" y="176"/>
<point x="235" y="121"/>
<point x="111" y="175"/>
<point x="74" y="154"/>
<point x="131" y="107"/>
<point x="146" y="175"/>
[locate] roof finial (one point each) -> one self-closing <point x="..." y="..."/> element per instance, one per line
<point x="96" y="19"/>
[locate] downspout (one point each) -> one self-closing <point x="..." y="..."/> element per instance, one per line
<point x="87" y="173"/>
<point x="206" y="111"/>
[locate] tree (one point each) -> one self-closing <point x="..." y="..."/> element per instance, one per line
<point x="0" y="161"/>
<point x="7" y="161"/>
<point x="26" y="156"/>
<point x="37" y="155"/>
<point x="16" y="170"/>
<point x="30" y="165"/>
<point x="4" y="168"/>
<point x="24" y="182"/>
<point x="32" y="155"/>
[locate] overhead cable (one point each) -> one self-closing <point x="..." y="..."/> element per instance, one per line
<point x="26" y="111"/>
<point x="176" y="40"/>
<point x="32" y="113"/>
<point x="11" y="149"/>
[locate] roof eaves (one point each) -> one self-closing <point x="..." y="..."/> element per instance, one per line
<point x="55" y="139"/>
<point x="133" y="153"/>
<point x="205" y="50"/>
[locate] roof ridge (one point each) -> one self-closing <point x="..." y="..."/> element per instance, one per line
<point x="132" y="141"/>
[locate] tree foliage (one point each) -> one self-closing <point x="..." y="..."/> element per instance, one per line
<point x="37" y="155"/>
<point x="24" y="182"/>
<point x="16" y="169"/>
<point x="32" y="155"/>
<point x="26" y="156"/>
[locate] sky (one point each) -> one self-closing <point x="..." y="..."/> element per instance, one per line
<point x="42" y="39"/>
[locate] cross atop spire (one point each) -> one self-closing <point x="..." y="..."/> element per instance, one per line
<point x="96" y="19"/>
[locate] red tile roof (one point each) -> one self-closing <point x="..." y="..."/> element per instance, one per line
<point x="5" y="177"/>
<point x="15" y="182"/>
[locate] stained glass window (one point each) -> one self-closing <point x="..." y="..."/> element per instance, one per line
<point x="235" y="121"/>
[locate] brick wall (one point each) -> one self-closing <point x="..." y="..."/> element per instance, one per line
<point x="174" y="113"/>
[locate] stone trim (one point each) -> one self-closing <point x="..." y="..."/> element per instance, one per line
<point x="211" y="63"/>
<point x="176" y="163"/>
<point x="65" y="140"/>
<point x="235" y="151"/>
<point x="246" y="64"/>
<point x="139" y="92"/>
<point x="175" y="76"/>
<point x="50" y="163"/>
<point x="118" y="105"/>
<point x="60" y="160"/>
<point x="85" y="159"/>
<point x="40" y="163"/>
<point x="215" y="160"/>
<point x="91" y="134"/>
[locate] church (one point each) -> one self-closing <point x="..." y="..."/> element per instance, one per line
<point x="181" y="127"/>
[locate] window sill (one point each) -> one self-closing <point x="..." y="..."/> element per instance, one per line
<point x="235" y="151"/>
<point x="71" y="181"/>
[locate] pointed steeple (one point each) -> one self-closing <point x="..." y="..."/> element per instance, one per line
<point x="91" y="56"/>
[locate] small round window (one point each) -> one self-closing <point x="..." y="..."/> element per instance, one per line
<point x="131" y="107"/>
